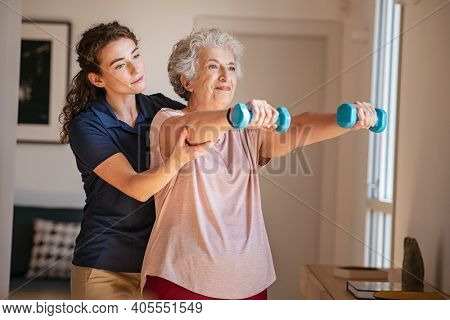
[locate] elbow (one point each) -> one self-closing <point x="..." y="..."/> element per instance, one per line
<point x="199" y="133"/>
<point x="135" y="191"/>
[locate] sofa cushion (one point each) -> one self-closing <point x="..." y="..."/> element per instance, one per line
<point x="52" y="251"/>
<point x="23" y="232"/>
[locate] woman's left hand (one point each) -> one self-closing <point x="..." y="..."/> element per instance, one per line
<point x="367" y="116"/>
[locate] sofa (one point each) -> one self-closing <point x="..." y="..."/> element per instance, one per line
<point x="22" y="244"/>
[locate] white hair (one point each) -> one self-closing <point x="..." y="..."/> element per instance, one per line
<point x="183" y="60"/>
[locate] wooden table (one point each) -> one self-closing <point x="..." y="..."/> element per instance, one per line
<point x="317" y="282"/>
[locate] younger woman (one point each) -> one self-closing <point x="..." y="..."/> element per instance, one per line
<point x="106" y="120"/>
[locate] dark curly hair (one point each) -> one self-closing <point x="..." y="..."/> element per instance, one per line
<point x="82" y="93"/>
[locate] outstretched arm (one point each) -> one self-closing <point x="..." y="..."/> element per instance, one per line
<point x="207" y="126"/>
<point x="311" y="127"/>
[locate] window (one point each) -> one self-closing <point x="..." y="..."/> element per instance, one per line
<point x="380" y="179"/>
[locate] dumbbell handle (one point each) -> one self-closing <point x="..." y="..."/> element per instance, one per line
<point x="347" y="116"/>
<point x="241" y="116"/>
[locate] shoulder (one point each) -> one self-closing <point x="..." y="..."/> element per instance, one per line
<point x="165" y="116"/>
<point x="157" y="101"/>
<point x="171" y="112"/>
<point x="86" y="119"/>
<point x="86" y="126"/>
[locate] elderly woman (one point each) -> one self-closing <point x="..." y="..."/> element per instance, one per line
<point x="209" y="240"/>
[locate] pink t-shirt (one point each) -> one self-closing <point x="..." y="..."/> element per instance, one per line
<point x="209" y="236"/>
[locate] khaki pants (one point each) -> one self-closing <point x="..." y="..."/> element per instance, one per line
<point x="97" y="284"/>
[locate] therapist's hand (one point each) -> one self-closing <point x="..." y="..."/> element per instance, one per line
<point x="183" y="152"/>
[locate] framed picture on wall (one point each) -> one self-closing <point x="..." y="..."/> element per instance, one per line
<point x="44" y="79"/>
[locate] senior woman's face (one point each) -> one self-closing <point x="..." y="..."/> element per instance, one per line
<point x="215" y="81"/>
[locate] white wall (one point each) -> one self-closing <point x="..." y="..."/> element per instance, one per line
<point x="423" y="165"/>
<point x="9" y="95"/>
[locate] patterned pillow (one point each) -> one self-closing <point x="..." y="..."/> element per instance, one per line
<point x="52" y="252"/>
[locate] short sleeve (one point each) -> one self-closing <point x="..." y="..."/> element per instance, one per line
<point x="255" y="138"/>
<point x="166" y="102"/>
<point x="155" y="148"/>
<point x="91" y="143"/>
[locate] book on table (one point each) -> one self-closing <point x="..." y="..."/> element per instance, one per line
<point x="391" y="291"/>
<point x="366" y="289"/>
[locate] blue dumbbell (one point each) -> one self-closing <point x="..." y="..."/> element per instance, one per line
<point x="241" y="116"/>
<point x="347" y="116"/>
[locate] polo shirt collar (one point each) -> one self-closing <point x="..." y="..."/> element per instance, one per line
<point x="141" y="103"/>
<point x="104" y="112"/>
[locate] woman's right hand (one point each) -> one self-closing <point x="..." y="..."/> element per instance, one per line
<point x="183" y="152"/>
<point x="264" y="115"/>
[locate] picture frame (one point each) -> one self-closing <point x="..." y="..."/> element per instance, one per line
<point x="44" y="79"/>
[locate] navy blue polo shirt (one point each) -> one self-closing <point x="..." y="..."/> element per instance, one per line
<point x="115" y="228"/>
